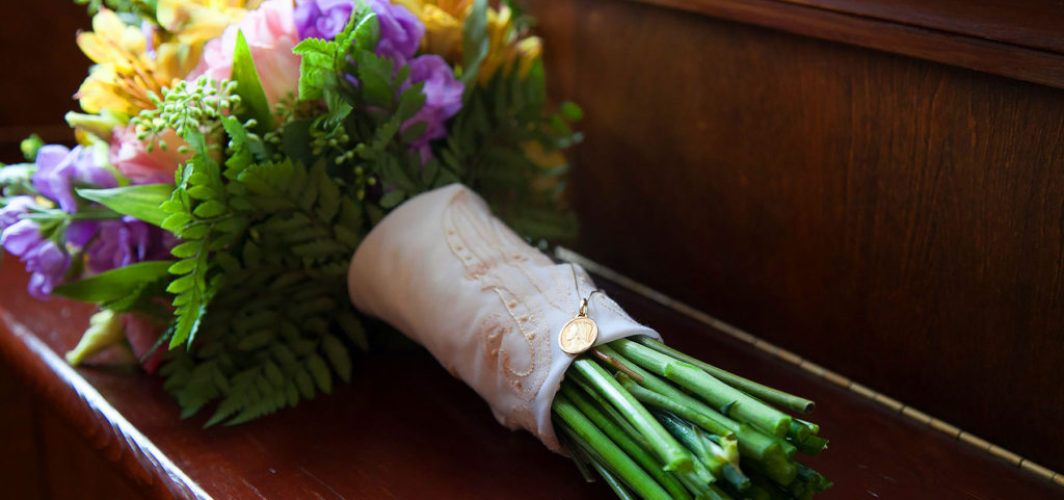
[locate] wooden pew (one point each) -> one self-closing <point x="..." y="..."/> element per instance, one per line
<point x="874" y="187"/>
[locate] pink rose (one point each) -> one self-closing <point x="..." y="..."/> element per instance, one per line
<point x="130" y="156"/>
<point x="271" y="35"/>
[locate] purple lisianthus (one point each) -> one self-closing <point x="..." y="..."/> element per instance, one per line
<point x="400" y="30"/>
<point x="59" y="169"/>
<point x="120" y="243"/>
<point x="42" y="257"/>
<point x="443" y="99"/>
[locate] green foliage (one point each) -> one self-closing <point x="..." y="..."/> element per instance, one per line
<point x="188" y="108"/>
<point x="199" y="213"/>
<point x="114" y="284"/>
<point x="134" y="8"/>
<point x="270" y="339"/>
<point x="30" y="145"/>
<point x="140" y="201"/>
<point x="249" y="88"/>
<point x="17" y="179"/>
<point x="475" y="43"/>
<point x="488" y="149"/>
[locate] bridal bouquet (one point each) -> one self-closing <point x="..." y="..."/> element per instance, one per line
<point x="253" y="180"/>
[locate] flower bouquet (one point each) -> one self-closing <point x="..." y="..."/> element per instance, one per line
<point x="252" y="181"/>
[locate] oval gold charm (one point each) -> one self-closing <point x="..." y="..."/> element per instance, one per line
<point x="578" y="335"/>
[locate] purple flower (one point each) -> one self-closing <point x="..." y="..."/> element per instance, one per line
<point x="59" y="169"/>
<point x="123" y="242"/>
<point x="148" y="30"/>
<point x="322" y="18"/>
<point x="443" y="99"/>
<point x="400" y="30"/>
<point x="43" y="258"/>
<point x="15" y="208"/>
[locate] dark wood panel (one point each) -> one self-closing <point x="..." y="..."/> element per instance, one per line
<point x="37" y="44"/>
<point x="424" y="434"/>
<point x="43" y="458"/>
<point x="896" y="220"/>
<point x="963" y="50"/>
<point x="1029" y="23"/>
<point x="20" y="459"/>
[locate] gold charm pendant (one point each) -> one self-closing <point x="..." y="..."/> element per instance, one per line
<point x="580" y="333"/>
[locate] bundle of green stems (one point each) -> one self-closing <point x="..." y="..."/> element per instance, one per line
<point x="655" y="423"/>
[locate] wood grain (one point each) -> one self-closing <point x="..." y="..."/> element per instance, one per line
<point x="895" y="220"/>
<point x="406" y="429"/>
<point x="1028" y="23"/>
<point x="967" y="49"/>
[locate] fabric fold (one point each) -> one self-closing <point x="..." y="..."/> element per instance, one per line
<point x="488" y="306"/>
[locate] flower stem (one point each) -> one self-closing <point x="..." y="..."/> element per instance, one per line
<point x="619" y="437"/>
<point x="661" y="442"/>
<point x="732" y="402"/>
<point x="774" y="396"/>
<point x="600" y="447"/>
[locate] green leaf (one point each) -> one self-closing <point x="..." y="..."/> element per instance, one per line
<point x="312" y="46"/>
<point x="571" y="111"/>
<point x="320" y="371"/>
<point x="140" y="201"/>
<point x="414" y="131"/>
<point x="116" y="283"/>
<point x="312" y="75"/>
<point x="249" y="87"/>
<point x="375" y="75"/>
<point x="182" y="267"/>
<point x="337" y="354"/>
<point x="186" y="249"/>
<point x="367" y="32"/>
<point x="210" y="208"/>
<point x="181" y="284"/>
<point x="411" y="101"/>
<point x="176" y="222"/>
<point x="475" y="43"/>
<point x="392" y="198"/>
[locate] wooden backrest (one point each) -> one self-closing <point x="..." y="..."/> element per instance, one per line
<point x="891" y="218"/>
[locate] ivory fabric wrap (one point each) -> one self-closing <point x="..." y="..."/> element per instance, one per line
<point x="488" y="306"/>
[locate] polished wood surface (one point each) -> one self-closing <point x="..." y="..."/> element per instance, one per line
<point x="895" y="220"/>
<point x="43" y="457"/>
<point x="406" y="429"/>
<point x="1029" y="23"/>
<point x="953" y="43"/>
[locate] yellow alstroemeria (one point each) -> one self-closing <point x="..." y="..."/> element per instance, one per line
<point x="506" y="47"/>
<point x="444" y="19"/>
<point x="194" y="22"/>
<point x="125" y="74"/>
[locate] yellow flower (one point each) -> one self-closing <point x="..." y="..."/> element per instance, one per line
<point x="507" y="47"/>
<point x="444" y="19"/>
<point x="194" y="22"/>
<point x="125" y="74"/>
